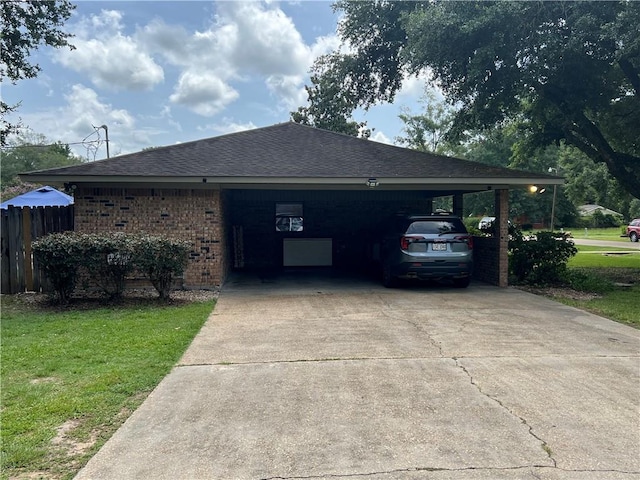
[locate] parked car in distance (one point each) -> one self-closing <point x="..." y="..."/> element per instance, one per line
<point x="425" y="247"/>
<point x="485" y="222"/>
<point x="633" y="230"/>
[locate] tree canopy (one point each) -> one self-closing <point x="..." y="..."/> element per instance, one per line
<point x="328" y="109"/>
<point x="426" y="132"/>
<point x="28" y="152"/>
<point x="25" y="26"/>
<point x="569" y="70"/>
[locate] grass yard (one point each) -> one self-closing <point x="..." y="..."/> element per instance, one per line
<point x="608" y="234"/>
<point x="599" y="257"/>
<point x="614" y="280"/>
<point x="71" y="377"/>
<point x="620" y="304"/>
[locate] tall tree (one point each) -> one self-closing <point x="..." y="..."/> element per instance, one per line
<point x="31" y="151"/>
<point x="570" y="69"/>
<point x="426" y="131"/>
<point x="328" y="108"/>
<point x="25" y="26"/>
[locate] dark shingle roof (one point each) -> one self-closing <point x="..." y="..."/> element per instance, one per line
<point x="286" y="150"/>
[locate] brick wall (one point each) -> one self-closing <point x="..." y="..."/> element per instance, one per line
<point x="490" y="254"/>
<point x="189" y="214"/>
<point x="486" y="256"/>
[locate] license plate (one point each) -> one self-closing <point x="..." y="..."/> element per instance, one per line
<point x="439" y="247"/>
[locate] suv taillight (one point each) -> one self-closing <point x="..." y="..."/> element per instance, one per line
<point x="468" y="239"/>
<point x="407" y="240"/>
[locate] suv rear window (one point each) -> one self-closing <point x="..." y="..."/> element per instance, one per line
<point x="436" y="227"/>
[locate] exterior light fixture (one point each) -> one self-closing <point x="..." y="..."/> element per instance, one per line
<point x="372" y="182"/>
<point x="536" y="189"/>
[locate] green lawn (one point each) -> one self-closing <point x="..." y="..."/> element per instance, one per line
<point x="621" y="304"/>
<point x="598" y="257"/>
<point x="70" y="378"/>
<point x="615" y="278"/>
<point x="608" y="234"/>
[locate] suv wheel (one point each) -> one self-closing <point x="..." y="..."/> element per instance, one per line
<point x="633" y="236"/>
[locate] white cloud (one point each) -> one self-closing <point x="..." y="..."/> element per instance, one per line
<point x="415" y="86"/>
<point x="324" y="45"/>
<point x="76" y="120"/>
<point x="262" y="40"/>
<point x="110" y="59"/>
<point x="228" y="126"/>
<point x="203" y="92"/>
<point x="378" y="136"/>
<point x="86" y="109"/>
<point x="247" y="41"/>
<point x="289" y="89"/>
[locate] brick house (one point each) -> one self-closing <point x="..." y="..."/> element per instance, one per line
<point x="279" y="196"/>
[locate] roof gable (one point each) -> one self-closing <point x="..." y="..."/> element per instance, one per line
<point x="286" y="150"/>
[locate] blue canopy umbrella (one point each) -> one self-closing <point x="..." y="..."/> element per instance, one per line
<point x="42" y="197"/>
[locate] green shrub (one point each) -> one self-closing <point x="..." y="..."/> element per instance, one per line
<point x="59" y="256"/>
<point x="472" y="224"/>
<point x="107" y="257"/>
<point x="540" y="260"/>
<point x="601" y="220"/>
<point x="160" y="259"/>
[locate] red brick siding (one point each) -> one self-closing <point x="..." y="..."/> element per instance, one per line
<point x="490" y="254"/>
<point x="188" y="214"/>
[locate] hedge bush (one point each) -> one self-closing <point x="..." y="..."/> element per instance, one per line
<point x="59" y="256"/>
<point x="540" y="260"/>
<point x="108" y="259"/>
<point x="160" y="259"/>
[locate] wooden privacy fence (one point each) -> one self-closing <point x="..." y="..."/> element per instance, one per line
<point x="21" y="226"/>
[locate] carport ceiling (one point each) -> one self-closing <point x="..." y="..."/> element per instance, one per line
<point x="292" y="156"/>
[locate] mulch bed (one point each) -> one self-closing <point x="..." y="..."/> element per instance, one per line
<point x="143" y="297"/>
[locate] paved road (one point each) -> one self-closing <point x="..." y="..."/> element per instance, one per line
<point x="331" y="378"/>
<point x="623" y="243"/>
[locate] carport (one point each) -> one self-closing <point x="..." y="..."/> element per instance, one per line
<point x="287" y="195"/>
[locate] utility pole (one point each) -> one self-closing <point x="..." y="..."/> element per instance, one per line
<point x="106" y="134"/>
<point x="553" y="203"/>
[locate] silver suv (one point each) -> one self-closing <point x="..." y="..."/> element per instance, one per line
<point x="426" y="247"/>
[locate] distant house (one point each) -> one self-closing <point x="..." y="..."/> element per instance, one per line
<point x="588" y="210"/>
<point x="40" y="197"/>
<point x="283" y="195"/>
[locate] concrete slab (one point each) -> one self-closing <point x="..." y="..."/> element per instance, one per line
<point x="335" y="378"/>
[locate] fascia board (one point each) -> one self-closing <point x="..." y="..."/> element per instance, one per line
<point x="494" y="182"/>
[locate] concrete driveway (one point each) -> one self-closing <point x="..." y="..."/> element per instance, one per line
<point x="331" y="378"/>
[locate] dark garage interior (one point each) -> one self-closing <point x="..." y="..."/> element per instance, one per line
<point x="274" y="229"/>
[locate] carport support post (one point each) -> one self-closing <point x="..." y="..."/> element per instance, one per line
<point x="457" y="205"/>
<point x="502" y="216"/>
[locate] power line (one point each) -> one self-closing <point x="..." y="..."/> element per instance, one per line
<point x="57" y="144"/>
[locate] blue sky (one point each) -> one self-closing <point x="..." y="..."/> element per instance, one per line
<point x="163" y="72"/>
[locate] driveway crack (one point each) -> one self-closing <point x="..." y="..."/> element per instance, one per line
<point x="420" y="328"/>
<point x="528" y="468"/>
<point x="545" y="446"/>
